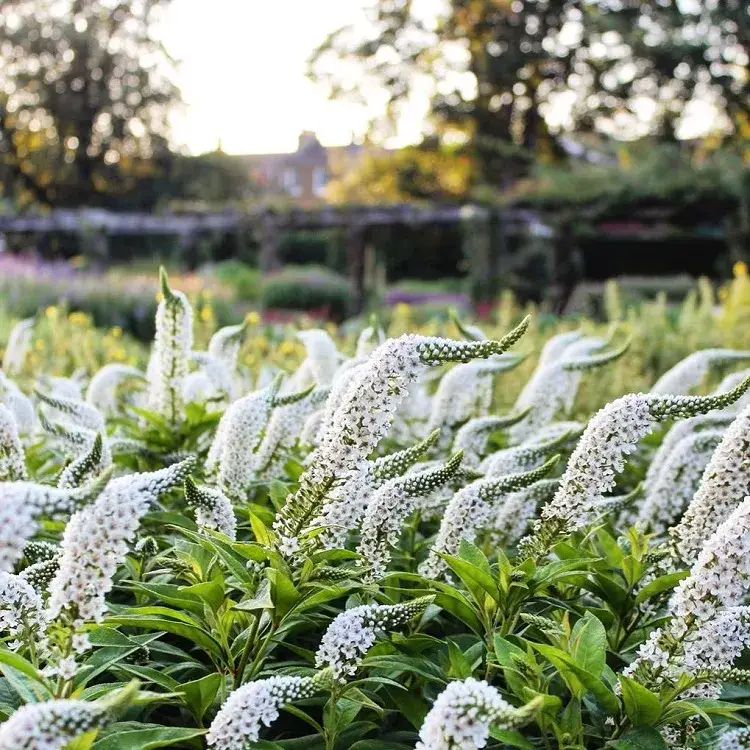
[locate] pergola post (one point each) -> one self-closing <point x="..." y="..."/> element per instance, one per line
<point x="269" y="242"/>
<point x="355" y="261"/>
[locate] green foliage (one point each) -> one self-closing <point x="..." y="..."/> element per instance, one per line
<point x="306" y="288"/>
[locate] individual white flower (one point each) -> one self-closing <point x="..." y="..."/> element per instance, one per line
<point x="390" y="506"/>
<point x="168" y="365"/>
<point x="689" y="372"/>
<point x="67" y="668"/>
<point x="232" y="456"/>
<point x="23" y="504"/>
<point x="97" y="538"/>
<point x="725" y="481"/>
<point x="472" y="437"/>
<point x="51" y="725"/>
<point x="471" y="510"/>
<point x="366" y="412"/>
<point x="213" y="510"/>
<point x="21" y="608"/>
<point x="671" y="491"/>
<point x="253" y="706"/>
<point x="80" y="643"/>
<point x="12" y="457"/>
<point x="19" y="341"/>
<point x="611" y="435"/>
<point x="353" y="632"/>
<point x="102" y="389"/>
<point x="462" y="715"/>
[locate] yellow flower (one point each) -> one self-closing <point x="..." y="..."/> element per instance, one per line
<point x="287" y="347"/>
<point x="51" y="312"/>
<point x="206" y="313"/>
<point x="740" y="269"/>
<point x="116" y="332"/>
<point x="253" y="318"/>
<point x="78" y="318"/>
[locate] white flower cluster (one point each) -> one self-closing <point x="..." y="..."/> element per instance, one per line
<point x="213" y="510"/>
<point x="232" y="456"/>
<point x="465" y="392"/>
<point x="706" y="604"/>
<point x="611" y="435"/>
<point x="18" y="404"/>
<point x="523" y="457"/>
<point x="344" y="376"/>
<point x="168" y="365"/>
<point x="19" y="341"/>
<point x="50" y="725"/>
<point x="101" y="392"/>
<point x="472" y="437"/>
<point x="734" y="739"/>
<point x="73" y="412"/>
<point x="461" y="717"/>
<point x="515" y="514"/>
<point x="212" y="381"/>
<point x="12" y="457"/>
<point x="352" y="633"/>
<point x="670" y="492"/>
<point x="725" y="481"/>
<point x="21" y="609"/>
<point x="368" y="340"/>
<point x="225" y="344"/>
<point x="469" y="511"/>
<point x="554" y="383"/>
<point x="97" y="538"/>
<point x="24" y="503"/>
<point x="254" y="705"/>
<point x="390" y="506"/>
<point x="689" y="372"/>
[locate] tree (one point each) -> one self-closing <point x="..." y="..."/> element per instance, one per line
<point x="84" y="94"/>
<point x="494" y="67"/>
<point x="652" y="61"/>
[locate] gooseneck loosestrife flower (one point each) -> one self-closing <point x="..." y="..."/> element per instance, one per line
<point x="232" y="456"/>
<point x="256" y="704"/>
<point x="471" y="510"/>
<point x="353" y="632"/>
<point x="516" y="512"/>
<point x="12" y="457"/>
<point x="51" y="725"/>
<point x="707" y="606"/>
<point x="87" y="466"/>
<point x="554" y="384"/>
<point x="472" y="437"/>
<point x="674" y="486"/>
<point x="97" y="538"/>
<point x="213" y="510"/>
<point x="168" y="365"/>
<point x="366" y="412"/>
<point x="464" y="713"/>
<point x="346" y="505"/>
<point x="101" y="392"/>
<point x="22" y="612"/>
<point x="17" y="347"/>
<point x="734" y="739"/>
<point x="689" y="372"/>
<point x="725" y="481"/>
<point x="525" y="456"/>
<point x="74" y="411"/>
<point x="25" y="503"/>
<point x="18" y="404"/>
<point x="390" y="506"/>
<point x="610" y="436"/>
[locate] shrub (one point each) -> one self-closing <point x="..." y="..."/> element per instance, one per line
<point x="244" y="280"/>
<point x="307" y="288"/>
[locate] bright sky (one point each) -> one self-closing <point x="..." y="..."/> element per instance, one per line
<point x="243" y="73"/>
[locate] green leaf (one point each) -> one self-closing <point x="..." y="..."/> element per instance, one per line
<point x="260" y="531"/>
<point x="658" y="585"/>
<point x="132" y="735"/>
<point x="472" y="554"/>
<point x="460" y="666"/>
<point x="20" y="664"/>
<point x="200" y="694"/>
<point x="588" y="644"/>
<point x="283" y="591"/>
<point x="639" y="739"/>
<point x="211" y="592"/>
<point x="641" y="705"/>
<point x="278" y="492"/>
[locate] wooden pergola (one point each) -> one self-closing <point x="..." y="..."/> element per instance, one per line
<point x="267" y="225"/>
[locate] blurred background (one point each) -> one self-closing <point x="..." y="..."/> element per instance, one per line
<point x="349" y="156"/>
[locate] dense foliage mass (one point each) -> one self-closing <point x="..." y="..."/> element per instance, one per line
<point x="368" y="552"/>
